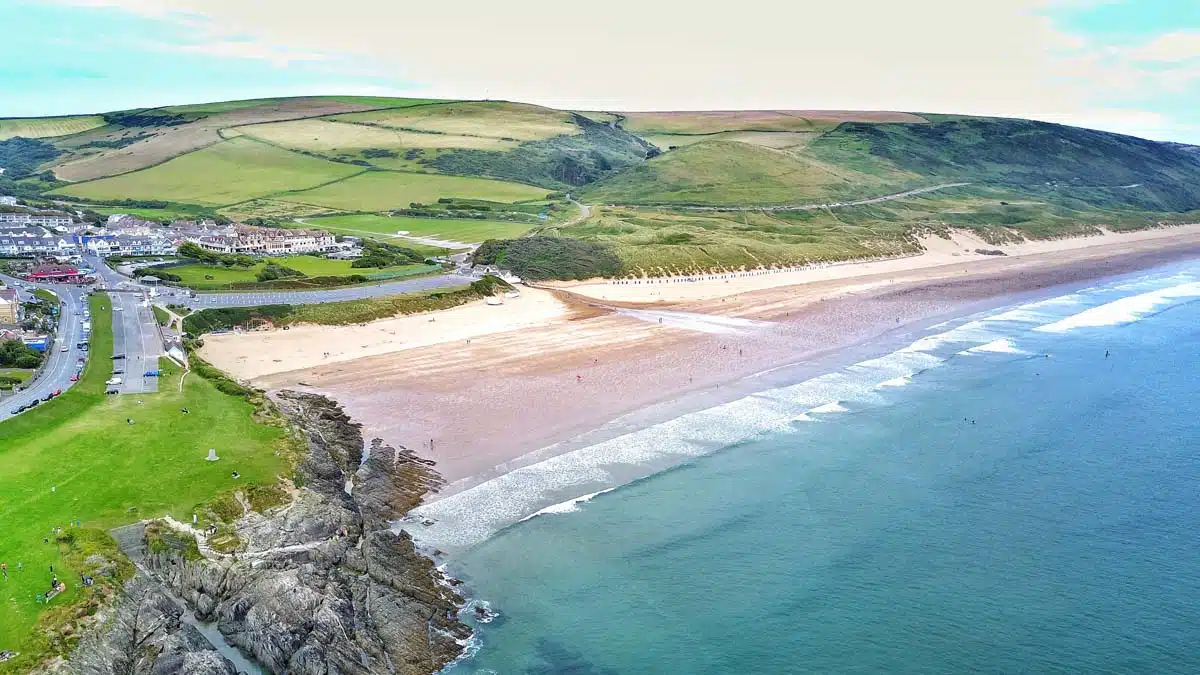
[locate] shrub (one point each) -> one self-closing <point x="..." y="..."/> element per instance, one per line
<point x="542" y="257"/>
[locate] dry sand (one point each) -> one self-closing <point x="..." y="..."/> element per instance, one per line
<point x="477" y="409"/>
<point x="253" y="354"/>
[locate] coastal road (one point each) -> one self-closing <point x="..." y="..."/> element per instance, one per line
<point x="135" y="336"/>
<point x="251" y="298"/>
<point x="60" y="365"/>
<point x="165" y="294"/>
<point x="135" y="332"/>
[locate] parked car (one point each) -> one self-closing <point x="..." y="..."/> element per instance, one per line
<point x="118" y="371"/>
<point x="117" y="357"/>
<point x="64" y="348"/>
<point x="74" y="378"/>
<point x="151" y="373"/>
<point x="112" y="391"/>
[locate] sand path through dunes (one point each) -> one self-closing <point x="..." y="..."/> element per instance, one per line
<point x="939" y="252"/>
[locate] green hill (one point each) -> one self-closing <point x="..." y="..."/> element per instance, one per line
<point x="678" y="189"/>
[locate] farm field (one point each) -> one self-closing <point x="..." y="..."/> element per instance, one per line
<point x="48" y="127"/>
<point x="384" y="190"/>
<point x="231" y="171"/>
<point x="334" y="137"/>
<point x="491" y="119"/>
<point x="194" y="276"/>
<point x="469" y="231"/>
<point x="153" y="467"/>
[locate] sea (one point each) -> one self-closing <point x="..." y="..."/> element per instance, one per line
<point x="1016" y="491"/>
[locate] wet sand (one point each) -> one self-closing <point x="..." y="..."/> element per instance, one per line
<point x="487" y="404"/>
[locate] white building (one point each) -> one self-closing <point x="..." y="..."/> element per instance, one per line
<point x="35" y="219"/>
<point x="267" y="241"/>
<point x="32" y="243"/>
<point x="8" y="201"/>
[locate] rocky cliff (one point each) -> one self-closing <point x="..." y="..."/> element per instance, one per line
<point x="319" y="585"/>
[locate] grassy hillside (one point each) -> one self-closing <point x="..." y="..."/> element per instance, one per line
<point x="722" y="172"/>
<point x="48" y="127"/>
<point x="227" y="172"/>
<point x="682" y="185"/>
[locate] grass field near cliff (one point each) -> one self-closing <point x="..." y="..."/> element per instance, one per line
<point x="105" y="472"/>
<point x="383" y="190"/>
<point x="464" y="230"/>
<point x="227" y="172"/>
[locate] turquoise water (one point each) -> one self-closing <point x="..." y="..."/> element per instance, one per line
<point x="963" y="505"/>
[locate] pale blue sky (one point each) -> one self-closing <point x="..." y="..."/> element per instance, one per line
<point x="1125" y="65"/>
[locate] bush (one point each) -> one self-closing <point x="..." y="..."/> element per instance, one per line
<point x="21" y="156"/>
<point x="15" y="354"/>
<point x="273" y="271"/>
<point x="537" y="258"/>
<point x="380" y="255"/>
<point x="225" y="318"/>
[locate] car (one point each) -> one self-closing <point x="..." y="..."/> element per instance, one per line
<point x="117" y="357"/>
<point x="118" y="309"/>
<point x="111" y="391"/>
<point x="47" y="397"/>
<point x="16" y="411"/>
<point x="118" y="371"/>
<point x="64" y="348"/>
<point x="56" y="392"/>
<point x="74" y="378"/>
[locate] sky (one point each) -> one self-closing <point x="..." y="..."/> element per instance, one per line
<point x="1131" y="66"/>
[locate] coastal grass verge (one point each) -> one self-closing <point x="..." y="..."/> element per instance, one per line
<point x="150" y="454"/>
<point x="349" y="312"/>
<point x="204" y="277"/>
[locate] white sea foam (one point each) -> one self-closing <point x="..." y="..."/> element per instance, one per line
<point x="466" y="518"/>
<point x="1124" y="310"/>
<point x="834" y="407"/>
<point x="569" y="506"/>
<point x="1001" y="346"/>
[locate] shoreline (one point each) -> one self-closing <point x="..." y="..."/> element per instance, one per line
<point x="665" y="437"/>
<point x="516" y="397"/>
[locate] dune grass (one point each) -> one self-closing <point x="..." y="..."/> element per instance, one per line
<point x="105" y="472"/>
<point x="384" y="190"/>
<point x="463" y="230"/>
<point x="227" y="172"/>
<point x="48" y="127"/>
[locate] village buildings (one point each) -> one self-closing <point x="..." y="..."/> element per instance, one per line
<point x="266" y="241"/>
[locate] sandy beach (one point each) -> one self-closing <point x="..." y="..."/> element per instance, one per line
<point x="561" y="366"/>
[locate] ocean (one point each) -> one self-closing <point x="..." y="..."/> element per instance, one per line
<point x="1014" y="491"/>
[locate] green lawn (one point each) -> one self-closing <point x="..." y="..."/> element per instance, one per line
<point x="105" y="472"/>
<point x="383" y="190"/>
<point x="228" y="172"/>
<point x="468" y="231"/>
<point x="194" y="275"/>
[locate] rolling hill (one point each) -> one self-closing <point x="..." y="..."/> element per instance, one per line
<point x="675" y="190"/>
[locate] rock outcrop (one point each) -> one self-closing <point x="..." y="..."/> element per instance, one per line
<point x="321" y="585"/>
<point x="145" y="633"/>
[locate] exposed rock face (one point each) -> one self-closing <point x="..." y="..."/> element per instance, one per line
<point x="322" y="585"/>
<point x="145" y="634"/>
